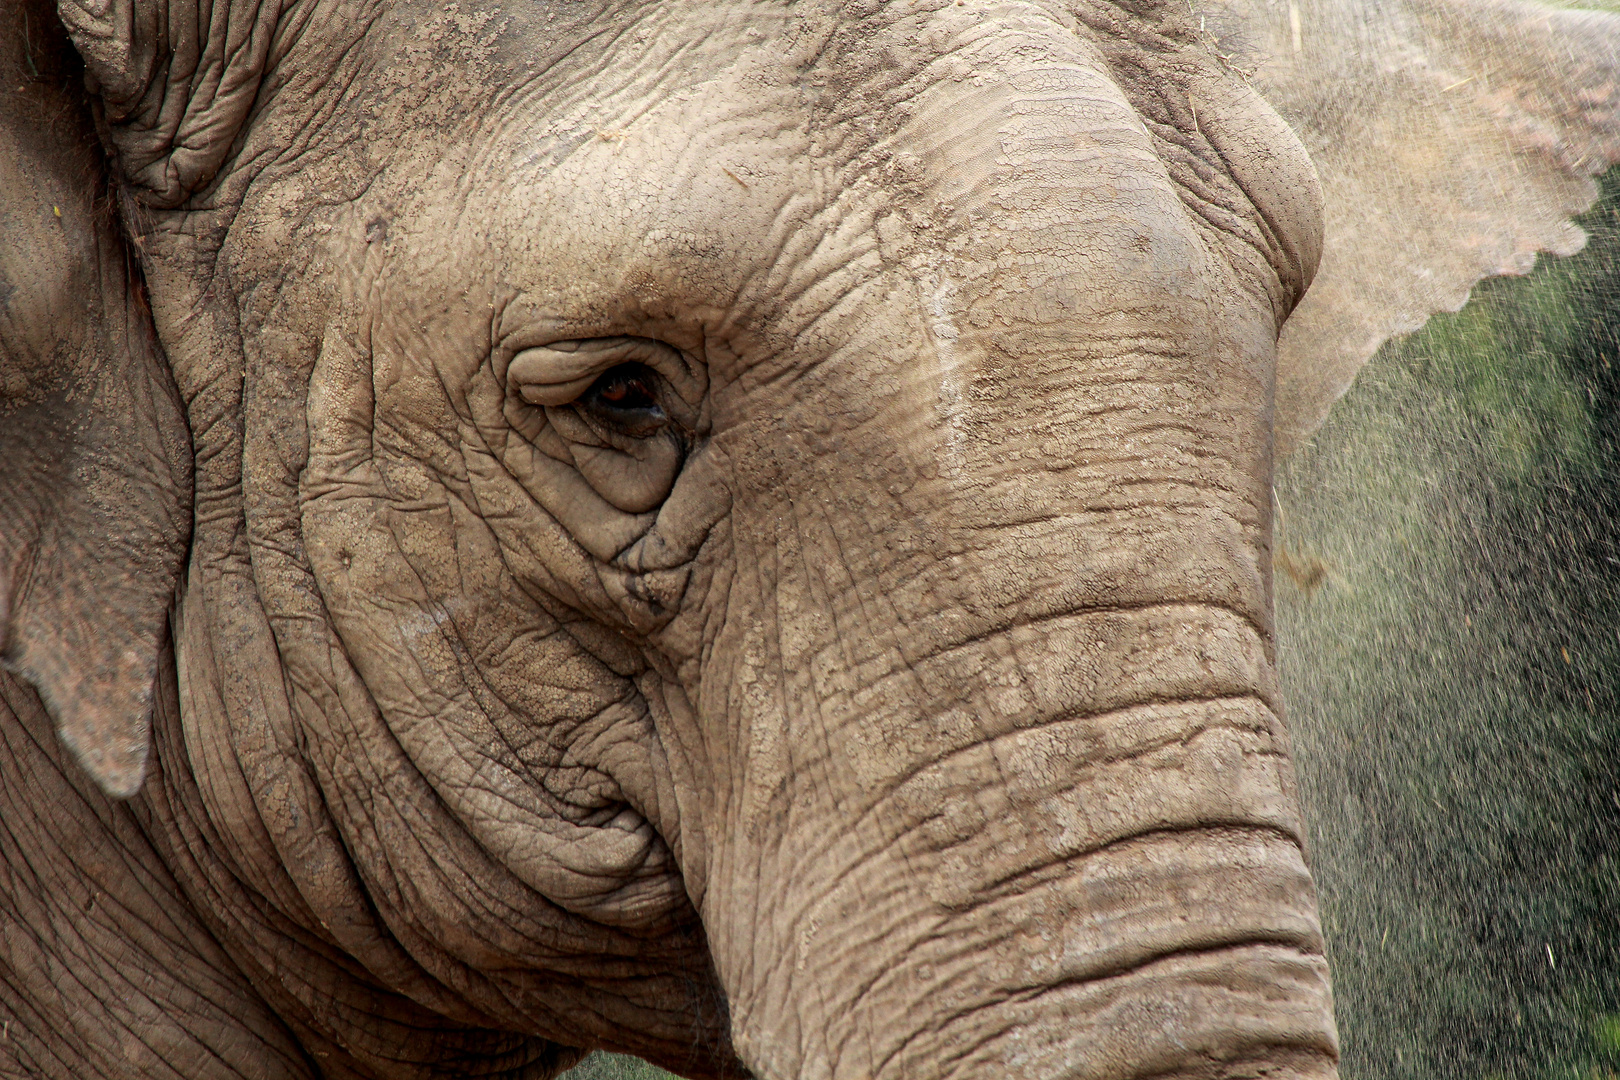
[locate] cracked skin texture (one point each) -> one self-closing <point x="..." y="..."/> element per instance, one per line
<point x="733" y="533"/>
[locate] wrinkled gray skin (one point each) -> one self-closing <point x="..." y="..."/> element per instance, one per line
<point x="874" y="680"/>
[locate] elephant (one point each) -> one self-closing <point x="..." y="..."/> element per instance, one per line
<point x="735" y="533"/>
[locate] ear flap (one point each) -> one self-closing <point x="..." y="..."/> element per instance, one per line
<point x="174" y="81"/>
<point x="95" y="457"/>
<point x="1454" y="140"/>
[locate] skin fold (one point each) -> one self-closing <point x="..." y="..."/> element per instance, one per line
<point x="735" y="533"/>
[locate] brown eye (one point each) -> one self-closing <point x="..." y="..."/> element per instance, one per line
<point x="627" y="392"/>
<point x="626" y="398"/>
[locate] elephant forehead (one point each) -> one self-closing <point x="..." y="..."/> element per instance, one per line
<point x="713" y="170"/>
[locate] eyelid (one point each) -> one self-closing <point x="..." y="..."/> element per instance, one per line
<point x="558" y="372"/>
<point x="554" y="393"/>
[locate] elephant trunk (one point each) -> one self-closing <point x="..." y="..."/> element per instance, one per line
<point x="1015" y="798"/>
<point x="1010" y="790"/>
<point x="1093" y="868"/>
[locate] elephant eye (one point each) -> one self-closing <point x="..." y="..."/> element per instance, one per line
<point x="626" y="397"/>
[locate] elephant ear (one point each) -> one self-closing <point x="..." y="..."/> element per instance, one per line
<point x="1454" y="139"/>
<point x="174" y="82"/>
<point x="95" y="458"/>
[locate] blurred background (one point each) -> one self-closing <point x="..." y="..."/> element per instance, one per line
<point x="1448" y="595"/>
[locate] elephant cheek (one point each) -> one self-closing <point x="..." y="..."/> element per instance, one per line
<point x="633" y="482"/>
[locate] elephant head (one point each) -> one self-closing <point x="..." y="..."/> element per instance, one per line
<point x="735" y="533"/>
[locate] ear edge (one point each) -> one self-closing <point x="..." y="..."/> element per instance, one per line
<point x="168" y="130"/>
<point x="91" y="583"/>
<point x="1454" y="141"/>
<point x="95" y="454"/>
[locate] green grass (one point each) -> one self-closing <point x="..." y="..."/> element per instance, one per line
<point x="600" y="1066"/>
<point x="1454" y="683"/>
